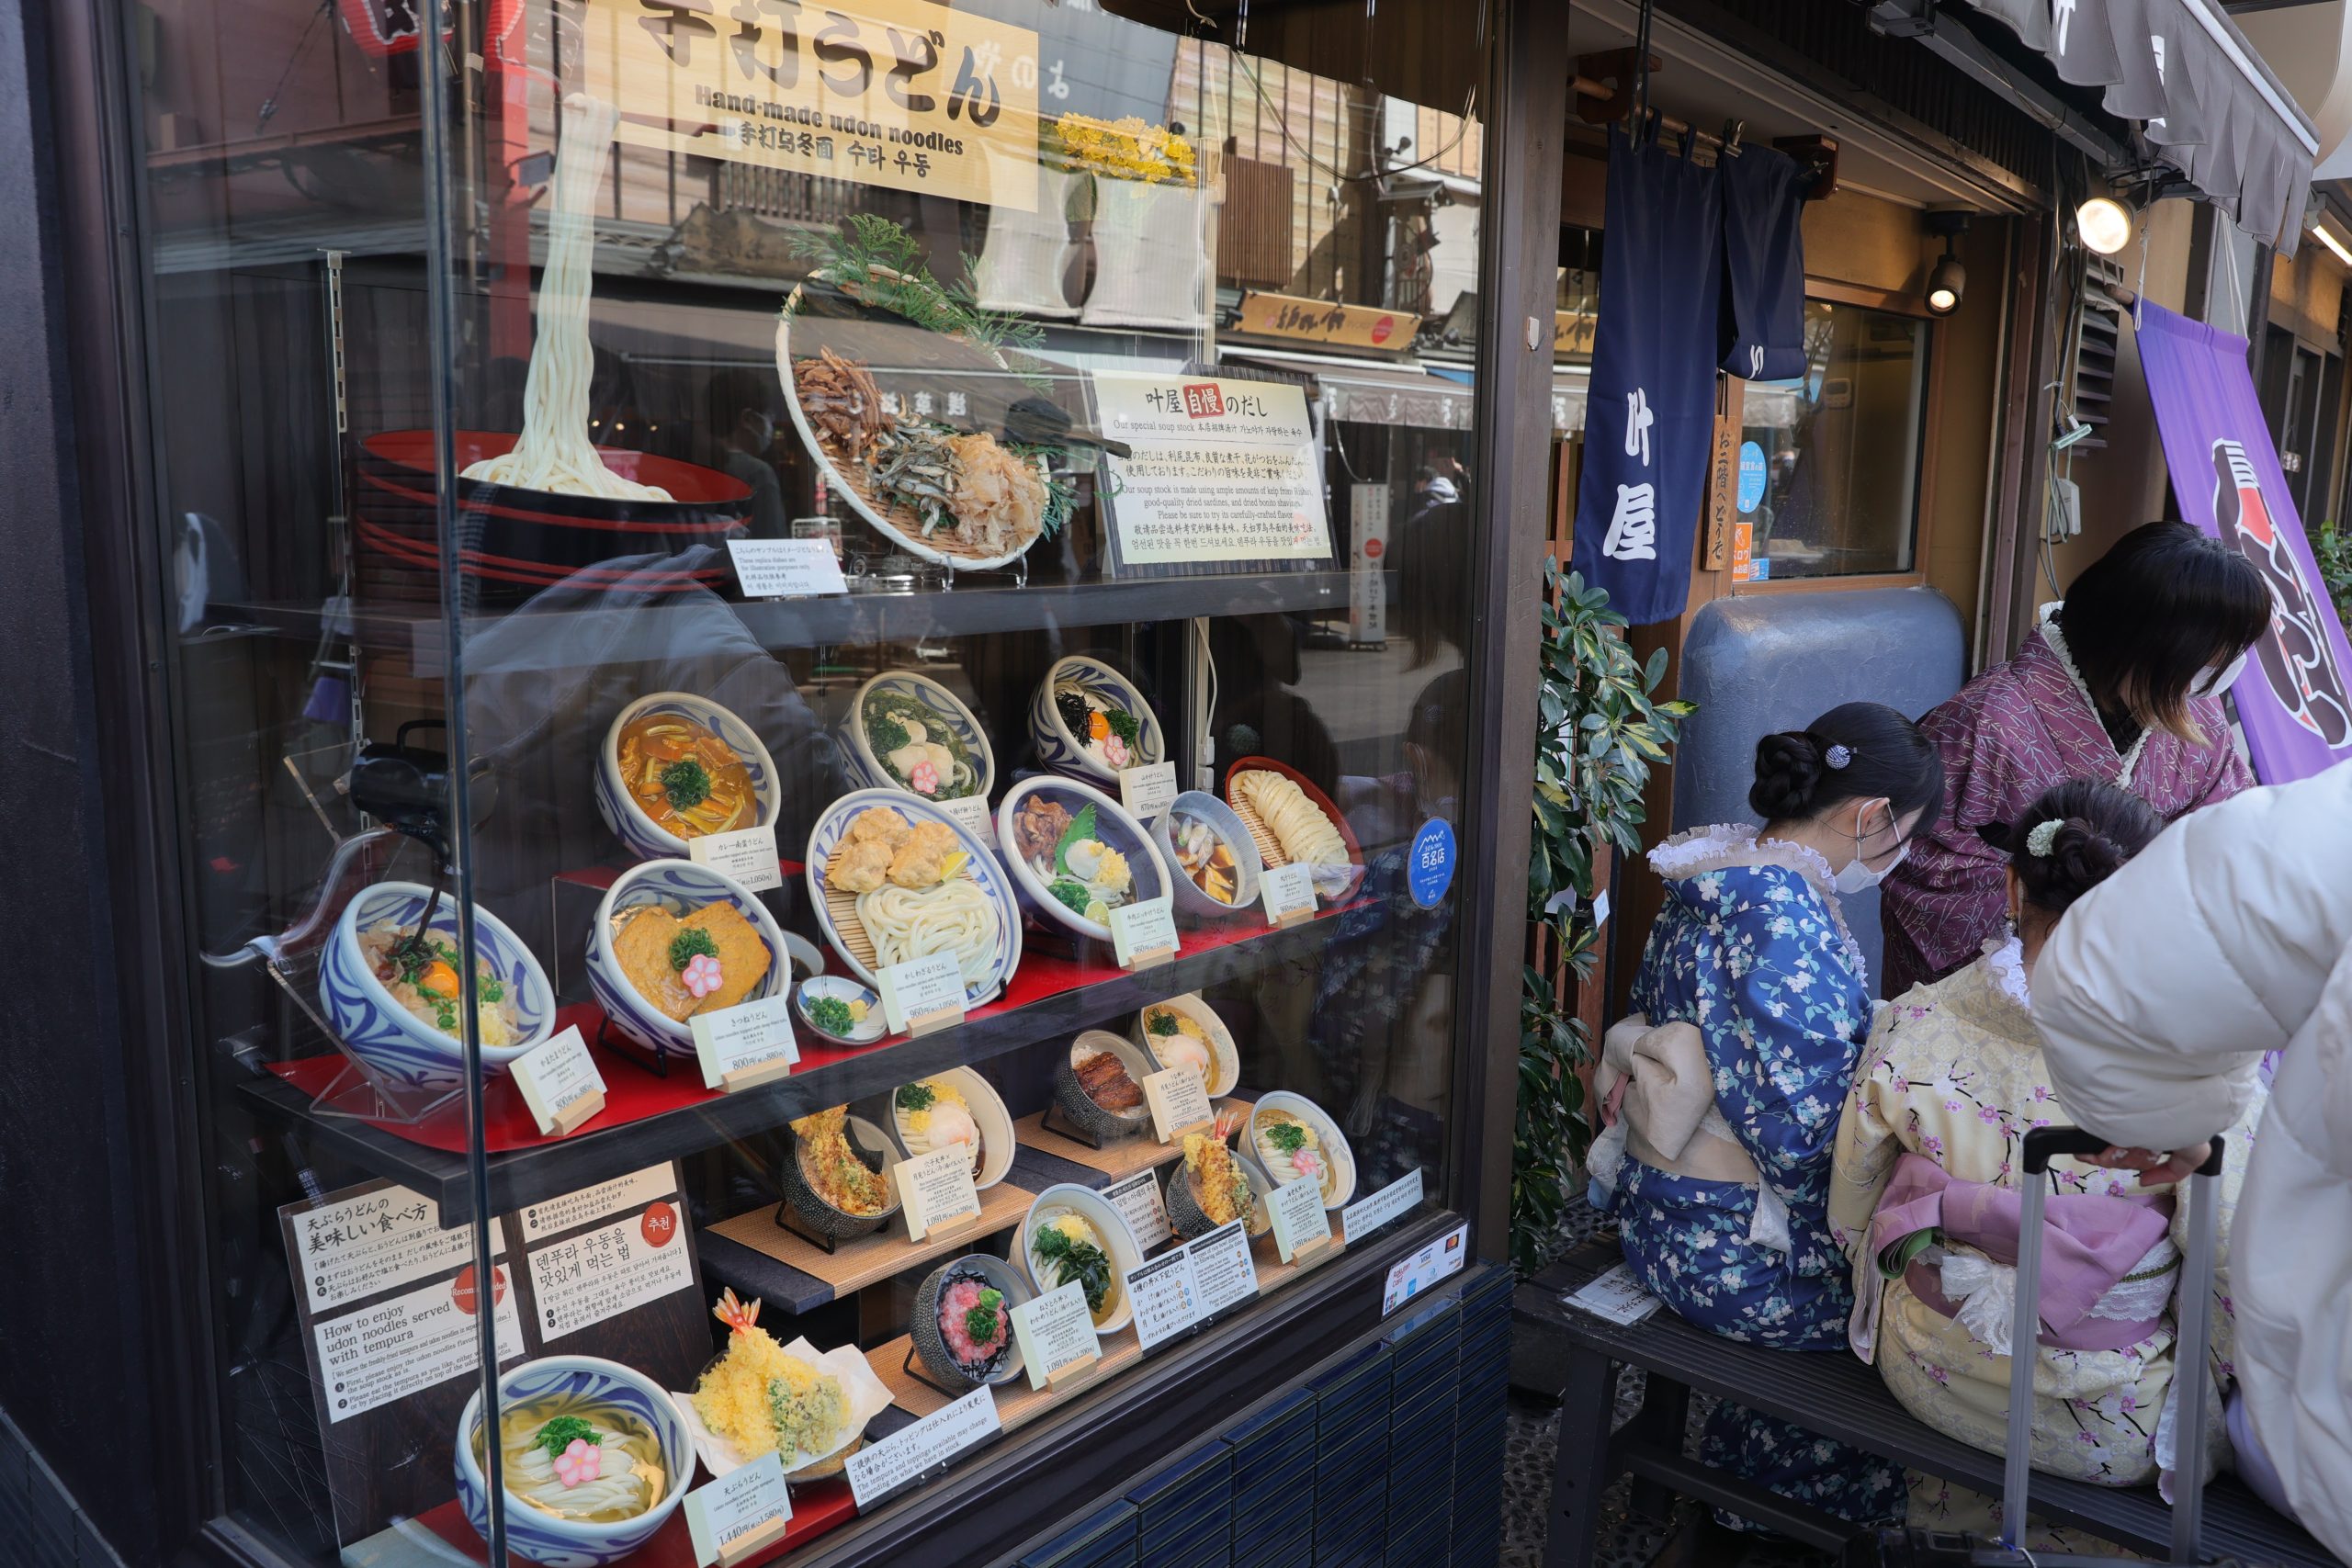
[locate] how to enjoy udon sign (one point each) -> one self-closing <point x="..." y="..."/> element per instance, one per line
<point x="897" y="92"/>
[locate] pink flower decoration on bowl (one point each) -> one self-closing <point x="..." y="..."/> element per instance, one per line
<point x="924" y="780"/>
<point x="1115" y="750"/>
<point x="702" y="975"/>
<point x="582" y="1462"/>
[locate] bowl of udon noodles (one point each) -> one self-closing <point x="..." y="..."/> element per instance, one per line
<point x="1215" y="859"/>
<point x="593" y="1459"/>
<point x="676" y="767"/>
<point x="1076" y="855"/>
<point x="1186" y="1031"/>
<point x="906" y="731"/>
<point x="401" y="1014"/>
<point x="1089" y="721"/>
<point x="674" y="940"/>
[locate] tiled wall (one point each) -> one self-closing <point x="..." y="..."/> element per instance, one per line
<point x="39" y="1525"/>
<point x="1398" y="1443"/>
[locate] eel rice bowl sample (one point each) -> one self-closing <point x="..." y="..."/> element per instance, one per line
<point x="1105" y="1079"/>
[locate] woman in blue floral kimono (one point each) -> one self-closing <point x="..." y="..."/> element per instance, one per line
<point x="1724" y="1089"/>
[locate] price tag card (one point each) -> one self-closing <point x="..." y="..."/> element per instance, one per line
<point x="1300" y="1222"/>
<point x="1365" y="1215"/>
<point x="1433" y="1263"/>
<point x="786" y="568"/>
<point x="971" y="811"/>
<point x="881" y="1468"/>
<point x="1616" y="1296"/>
<point x="743" y="1507"/>
<point x="1138" y="1202"/>
<point x="1288" y="893"/>
<point x="1144" y="934"/>
<point x="748" y="1042"/>
<point x="1053" y="1331"/>
<point x="926" y="991"/>
<point x="1179" y="1101"/>
<point x="1149" y="791"/>
<point x="935" y="1190"/>
<point x="1166" y="1298"/>
<point x="1222" y="1268"/>
<point x="559" y="1082"/>
<point x="747" y="854"/>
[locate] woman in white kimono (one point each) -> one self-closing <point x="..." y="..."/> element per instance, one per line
<point x="1924" y="1197"/>
<point x="2230" y="937"/>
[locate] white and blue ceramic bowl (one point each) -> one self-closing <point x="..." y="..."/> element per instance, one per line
<point x="1063" y="752"/>
<point x="1112" y="825"/>
<point x="867" y="767"/>
<point x="636" y="831"/>
<point x="557" y="1381"/>
<point x="1202" y="806"/>
<point x="832" y="826"/>
<point x="843" y="989"/>
<point x="679" y="887"/>
<point x="397" y="1043"/>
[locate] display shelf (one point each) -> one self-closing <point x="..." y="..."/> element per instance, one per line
<point x="1016" y="1402"/>
<point x="979" y="608"/>
<point x="649" y="1120"/>
<point x="867" y="1259"/>
<point x="1111" y="1161"/>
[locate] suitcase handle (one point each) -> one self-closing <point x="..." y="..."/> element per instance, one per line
<point x="2045" y="1144"/>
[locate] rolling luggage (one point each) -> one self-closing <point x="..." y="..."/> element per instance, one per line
<point x="2192" y="1321"/>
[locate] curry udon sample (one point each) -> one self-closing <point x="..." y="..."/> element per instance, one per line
<point x="683" y="777"/>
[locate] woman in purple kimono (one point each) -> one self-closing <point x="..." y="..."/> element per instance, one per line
<point x="2122" y="683"/>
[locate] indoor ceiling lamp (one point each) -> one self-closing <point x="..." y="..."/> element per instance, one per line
<point x="2104" y="223"/>
<point x="2332" y="243"/>
<point x="1947" y="281"/>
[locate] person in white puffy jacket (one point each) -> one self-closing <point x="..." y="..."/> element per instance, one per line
<point x="2228" y="937"/>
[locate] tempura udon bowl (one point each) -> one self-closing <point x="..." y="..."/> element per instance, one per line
<point x="557" y="1385"/>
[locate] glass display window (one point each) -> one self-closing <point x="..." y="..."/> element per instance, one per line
<point x="821" y="662"/>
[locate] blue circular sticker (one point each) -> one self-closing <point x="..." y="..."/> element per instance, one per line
<point x="1429" y="872"/>
<point x="1751" y="475"/>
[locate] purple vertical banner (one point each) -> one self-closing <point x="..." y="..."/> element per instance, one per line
<point x="2293" y="700"/>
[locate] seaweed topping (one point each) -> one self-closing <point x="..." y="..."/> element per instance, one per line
<point x="562" y="1432"/>
<point x="1163" y="1022"/>
<point x="832" y="1015"/>
<point x="1079" y="1261"/>
<point x="885" y="733"/>
<point x="1287" y="1136"/>
<point x="915" y="1096"/>
<point x="1073" y="710"/>
<point x="685" y="784"/>
<point x="981" y="1322"/>
<point x="1123" y="725"/>
<point x="690" y="944"/>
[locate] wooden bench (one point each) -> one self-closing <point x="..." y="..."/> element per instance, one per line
<point x="1833" y="1394"/>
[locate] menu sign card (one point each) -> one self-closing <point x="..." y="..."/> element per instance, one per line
<point x="748" y="1043"/>
<point x="1149" y="791"/>
<point x="786" y="568"/>
<point x="1179" y="1101"/>
<point x="1144" y="934"/>
<point x="971" y="812"/>
<point x="747" y="855"/>
<point x="1301" y="1225"/>
<point x="935" y="1190"/>
<point x="1288" y="893"/>
<point x="1365" y="1215"/>
<point x="559" y="1082"/>
<point x="740" y="1512"/>
<point x="923" y="994"/>
<point x="1056" y="1334"/>
<point x="1217" y="470"/>
<point x="880" y="1468"/>
<point x="1138" y="1202"/>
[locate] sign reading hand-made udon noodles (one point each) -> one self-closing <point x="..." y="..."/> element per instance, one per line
<point x="897" y="92"/>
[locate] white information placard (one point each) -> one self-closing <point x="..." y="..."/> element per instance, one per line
<point x="1138" y="1202"/>
<point x="1616" y="1296"/>
<point x="612" y="1269"/>
<point x="739" y="1504"/>
<point x="1166" y="1298"/>
<point x="1053" y="1330"/>
<point x="939" y="1437"/>
<point x="921" y="987"/>
<point x="1144" y="932"/>
<point x="396" y="1347"/>
<point x="1220" y="469"/>
<point x="556" y="1075"/>
<point x="362" y="1247"/>
<point x="1149" y="791"/>
<point x="935" y="1190"/>
<point x="1433" y="1263"/>
<point x="1365" y="1215"/>
<point x="756" y="1033"/>
<point x="1179" y="1101"/>
<point x="971" y="812"/>
<point x="786" y="568"/>
<point x="631" y="1192"/>
<point x="1300" y="1220"/>
<point x="1222" y="1267"/>
<point x="1287" y="892"/>
<point x="747" y="855"/>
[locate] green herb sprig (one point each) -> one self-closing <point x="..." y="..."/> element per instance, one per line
<point x="832" y="1015"/>
<point x="690" y="944"/>
<point x="562" y="1432"/>
<point x="1163" y="1022"/>
<point x="685" y="784"/>
<point x="1287" y="1136"/>
<point x="916" y="1096"/>
<point x="981" y="1321"/>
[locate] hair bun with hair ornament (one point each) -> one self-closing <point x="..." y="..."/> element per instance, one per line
<point x="2043" y="838"/>
<point x="1838" y="758"/>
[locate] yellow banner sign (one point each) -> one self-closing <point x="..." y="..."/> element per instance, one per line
<point x="897" y="92"/>
<point x="1572" y="333"/>
<point x="1321" y="321"/>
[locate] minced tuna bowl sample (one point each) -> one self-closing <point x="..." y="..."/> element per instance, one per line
<point x="977" y="1324"/>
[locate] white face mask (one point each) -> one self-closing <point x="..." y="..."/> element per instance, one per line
<point x="1857" y="875"/>
<point x="2210" y="684"/>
